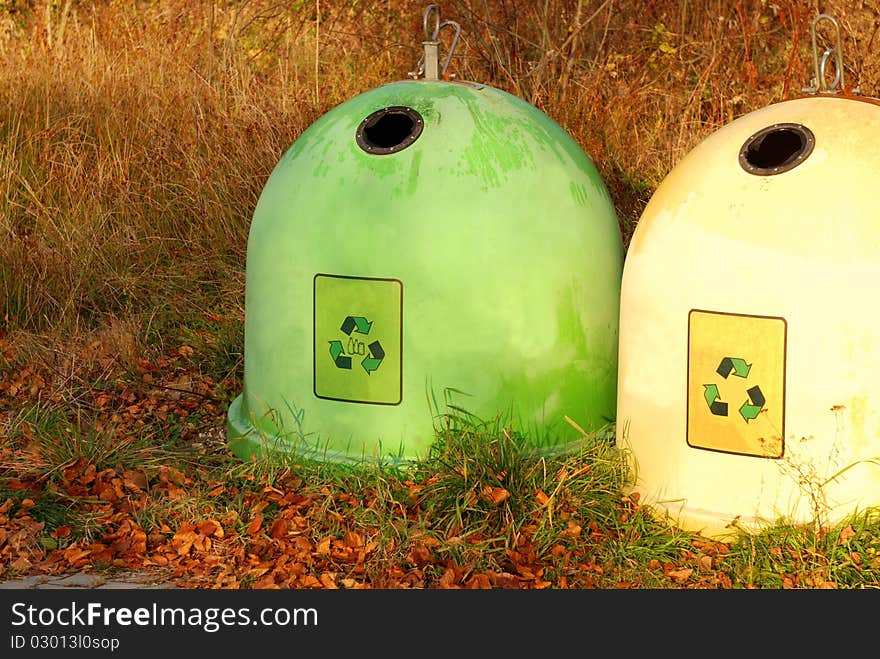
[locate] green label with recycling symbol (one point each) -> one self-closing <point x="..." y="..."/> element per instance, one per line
<point x="358" y="339"/>
<point x="736" y="383"/>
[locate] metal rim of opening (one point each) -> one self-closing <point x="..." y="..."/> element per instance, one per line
<point x="776" y="149"/>
<point x="396" y="128"/>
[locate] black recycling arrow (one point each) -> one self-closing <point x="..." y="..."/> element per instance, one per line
<point x="718" y="408"/>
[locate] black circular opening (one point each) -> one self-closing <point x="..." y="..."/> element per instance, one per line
<point x="389" y="130"/>
<point x="776" y="149"/>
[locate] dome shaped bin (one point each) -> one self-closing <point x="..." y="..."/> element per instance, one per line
<point x="750" y="336"/>
<point x="422" y="240"/>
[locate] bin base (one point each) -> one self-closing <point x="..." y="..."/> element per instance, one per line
<point x="708" y="523"/>
<point x="247" y="443"/>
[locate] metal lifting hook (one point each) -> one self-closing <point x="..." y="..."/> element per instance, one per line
<point x="429" y="65"/>
<point x="819" y="83"/>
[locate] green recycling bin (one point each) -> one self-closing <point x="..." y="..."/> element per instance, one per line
<point x="424" y="244"/>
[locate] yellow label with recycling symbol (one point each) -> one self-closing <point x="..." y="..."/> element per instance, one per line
<point x="736" y="383"/>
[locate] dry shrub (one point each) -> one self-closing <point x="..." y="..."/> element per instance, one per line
<point x="135" y="137"/>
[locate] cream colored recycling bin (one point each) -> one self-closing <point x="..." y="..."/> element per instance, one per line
<point x="749" y="356"/>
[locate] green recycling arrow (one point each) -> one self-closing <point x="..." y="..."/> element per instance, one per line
<point x="749" y="412"/>
<point x="370" y="364"/>
<point x="753" y="406"/>
<point x="337" y="353"/>
<point x="377" y="354"/>
<point x="710" y="392"/>
<point x="739" y="367"/>
<point x="716" y="406"/>
<point x="357" y="324"/>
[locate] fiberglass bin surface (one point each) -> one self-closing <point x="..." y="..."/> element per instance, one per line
<point x="749" y="328"/>
<point x="422" y="243"/>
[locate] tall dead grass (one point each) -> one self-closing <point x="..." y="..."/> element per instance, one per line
<point x="135" y="137"/>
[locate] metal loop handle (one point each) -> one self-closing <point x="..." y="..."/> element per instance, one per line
<point x="452" y="45"/>
<point x="819" y="83"/>
<point x="431" y="35"/>
<point x="838" y="69"/>
<point x="429" y="65"/>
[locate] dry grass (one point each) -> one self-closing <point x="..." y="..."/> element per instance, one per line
<point x="135" y="137"/>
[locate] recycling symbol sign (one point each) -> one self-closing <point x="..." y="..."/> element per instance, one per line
<point x="357" y="339"/>
<point x="736" y="383"/>
<point x="740" y="368"/>
<point x="343" y="351"/>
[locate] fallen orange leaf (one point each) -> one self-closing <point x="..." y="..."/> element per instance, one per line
<point x="310" y="581"/>
<point x="255" y="525"/>
<point x="323" y="546"/>
<point x="211" y="527"/>
<point x="183" y="541"/>
<point x="175" y="492"/>
<point x="21" y="563"/>
<point x="680" y="575"/>
<point x="479" y="582"/>
<point x="353" y="540"/>
<point x="819" y="582"/>
<point x="573" y="530"/>
<point x="74" y="554"/>
<point x="61" y="532"/>
<point x="267" y="583"/>
<point x="447" y="581"/>
<point x="495" y="494"/>
<point x="419" y="554"/>
<point x="279" y="529"/>
<point x="845" y="535"/>
<point x="328" y="579"/>
<point x="135" y="480"/>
